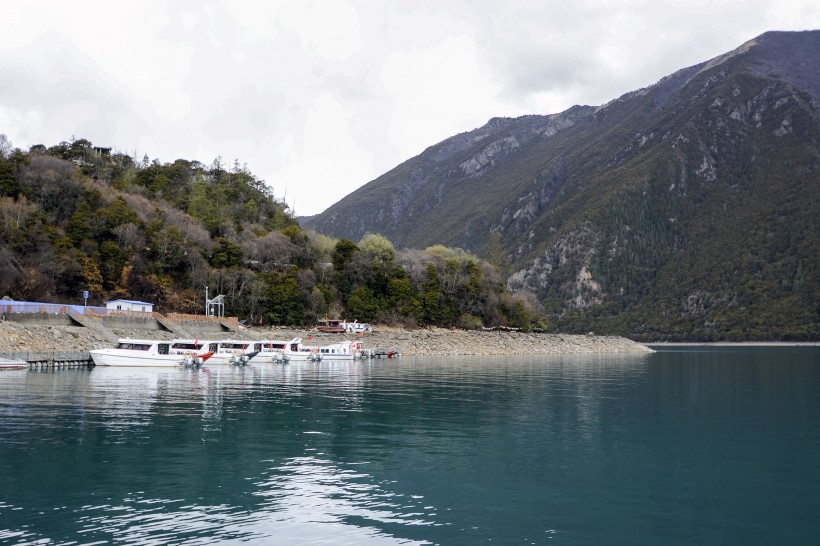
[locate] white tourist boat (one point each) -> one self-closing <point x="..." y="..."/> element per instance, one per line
<point x="144" y="352"/>
<point x="295" y="351"/>
<point x="189" y="347"/>
<point x="336" y="326"/>
<point x="344" y="350"/>
<point x="226" y="351"/>
<point x="272" y="350"/>
<point x="357" y="327"/>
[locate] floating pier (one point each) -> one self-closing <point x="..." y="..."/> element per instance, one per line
<point x="383" y="353"/>
<point x="52" y="359"/>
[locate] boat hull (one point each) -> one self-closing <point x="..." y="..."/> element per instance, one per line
<point x="301" y="356"/>
<point x="227" y="360"/>
<point x="338" y="358"/>
<point x="270" y="357"/>
<point x="12" y="364"/>
<point x="116" y="357"/>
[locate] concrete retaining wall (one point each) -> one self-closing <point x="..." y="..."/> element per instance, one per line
<point x="203" y="326"/>
<point x="39" y="319"/>
<point x="132" y="323"/>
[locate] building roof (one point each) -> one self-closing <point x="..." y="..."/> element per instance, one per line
<point x="130" y="301"/>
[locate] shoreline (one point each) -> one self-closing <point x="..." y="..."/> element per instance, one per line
<point x="20" y="337"/>
<point x="732" y="343"/>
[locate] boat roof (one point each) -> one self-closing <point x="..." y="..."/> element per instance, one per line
<point x="135" y="340"/>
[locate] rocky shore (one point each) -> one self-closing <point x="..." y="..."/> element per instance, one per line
<point x="440" y="341"/>
<point x="17" y="337"/>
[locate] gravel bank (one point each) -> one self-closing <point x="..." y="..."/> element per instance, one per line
<point x="439" y="341"/>
<point x="428" y="341"/>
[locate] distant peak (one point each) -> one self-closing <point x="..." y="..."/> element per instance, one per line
<point x="497" y="122"/>
<point x="720" y="59"/>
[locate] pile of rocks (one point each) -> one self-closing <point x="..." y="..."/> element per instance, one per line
<point x="24" y="338"/>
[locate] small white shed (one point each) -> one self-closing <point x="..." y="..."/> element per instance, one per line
<point x="130" y="305"/>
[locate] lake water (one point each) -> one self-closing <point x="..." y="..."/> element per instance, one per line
<point x="684" y="446"/>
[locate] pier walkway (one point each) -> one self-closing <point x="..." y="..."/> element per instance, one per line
<point x="51" y="359"/>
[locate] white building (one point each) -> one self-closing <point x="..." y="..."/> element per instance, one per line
<point x="130" y="305"/>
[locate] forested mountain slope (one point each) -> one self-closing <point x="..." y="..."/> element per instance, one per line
<point x="685" y="210"/>
<point x="75" y="217"/>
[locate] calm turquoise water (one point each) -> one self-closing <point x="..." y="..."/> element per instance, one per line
<point x="695" y="446"/>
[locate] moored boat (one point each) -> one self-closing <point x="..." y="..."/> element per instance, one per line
<point x="272" y="350"/>
<point x="12" y="364"/>
<point x="344" y="350"/>
<point x="227" y="351"/>
<point x="336" y="326"/>
<point x="143" y="352"/>
<point x="331" y="326"/>
<point x="193" y="349"/>
<point x="357" y="327"/>
<point x="296" y="351"/>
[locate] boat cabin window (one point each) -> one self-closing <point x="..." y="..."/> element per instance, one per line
<point x="162" y="348"/>
<point x="213" y="347"/>
<point x="133" y="346"/>
<point x="187" y="346"/>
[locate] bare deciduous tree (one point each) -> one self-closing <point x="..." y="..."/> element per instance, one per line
<point x="5" y="146"/>
<point x="14" y="214"/>
<point x="129" y="236"/>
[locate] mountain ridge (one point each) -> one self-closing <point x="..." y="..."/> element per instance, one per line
<point x="596" y="211"/>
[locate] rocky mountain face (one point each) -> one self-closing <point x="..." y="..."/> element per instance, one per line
<point x="685" y="210"/>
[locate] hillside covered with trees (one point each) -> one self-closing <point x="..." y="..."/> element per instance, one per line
<point x="76" y="217"/>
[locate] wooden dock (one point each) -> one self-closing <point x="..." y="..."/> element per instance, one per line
<point x="52" y="360"/>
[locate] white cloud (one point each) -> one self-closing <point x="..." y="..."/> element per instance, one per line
<point x="327" y="163"/>
<point x="319" y="98"/>
<point x="447" y="79"/>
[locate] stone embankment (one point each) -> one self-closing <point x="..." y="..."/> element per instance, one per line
<point x="433" y="341"/>
<point x="440" y="341"/>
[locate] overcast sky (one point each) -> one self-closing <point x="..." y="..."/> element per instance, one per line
<point x="320" y="97"/>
